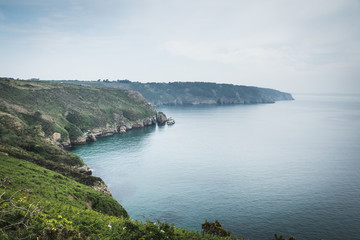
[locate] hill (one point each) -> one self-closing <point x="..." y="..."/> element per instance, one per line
<point x="47" y="192"/>
<point x="191" y="93"/>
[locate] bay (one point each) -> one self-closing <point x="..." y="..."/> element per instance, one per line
<point x="291" y="168"/>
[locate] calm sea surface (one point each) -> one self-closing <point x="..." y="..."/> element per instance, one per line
<point x="291" y="168"/>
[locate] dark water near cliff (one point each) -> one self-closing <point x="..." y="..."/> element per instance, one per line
<point x="291" y="168"/>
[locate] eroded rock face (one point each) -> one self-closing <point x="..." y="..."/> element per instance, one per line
<point x="56" y="136"/>
<point x="102" y="187"/>
<point x="91" y="137"/>
<point x="161" y="118"/>
<point x="122" y="129"/>
<point x="85" y="169"/>
<point x="79" y="141"/>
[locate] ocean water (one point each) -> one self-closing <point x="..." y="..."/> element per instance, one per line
<point x="291" y="168"/>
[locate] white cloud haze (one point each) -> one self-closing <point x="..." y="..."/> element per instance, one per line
<point x="295" y="46"/>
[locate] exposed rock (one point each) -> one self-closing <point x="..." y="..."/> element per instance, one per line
<point x="91" y="137"/>
<point x="170" y="121"/>
<point x="56" y="136"/>
<point x="122" y="129"/>
<point x="147" y="122"/>
<point x="138" y="124"/>
<point x="161" y="118"/>
<point x="79" y="141"/>
<point x="4" y="153"/>
<point x="128" y="126"/>
<point x="64" y="144"/>
<point x="85" y="169"/>
<point x="102" y="187"/>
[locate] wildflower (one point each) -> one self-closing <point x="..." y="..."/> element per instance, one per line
<point x="53" y="229"/>
<point x="109" y="225"/>
<point x="162" y="231"/>
<point x="124" y="228"/>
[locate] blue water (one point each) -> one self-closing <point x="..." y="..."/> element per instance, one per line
<point x="291" y="168"/>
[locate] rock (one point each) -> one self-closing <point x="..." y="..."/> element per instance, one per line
<point x="153" y="119"/>
<point x="170" y="121"/>
<point x="122" y="129"/>
<point x="147" y="122"/>
<point x="91" y="137"/>
<point x="79" y="141"/>
<point x="138" y="124"/>
<point x="102" y="187"/>
<point x="161" y="118"/>
<point x="56" y="136"/>
<point x="128" y="126"/>
<point x="85" y="169"/>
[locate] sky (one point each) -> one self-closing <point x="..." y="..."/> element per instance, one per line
<point x="307" y="46"/>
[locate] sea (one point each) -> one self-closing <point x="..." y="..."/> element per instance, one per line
<point x="290" y="168"/>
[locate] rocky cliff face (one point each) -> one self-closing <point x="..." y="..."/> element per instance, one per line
<point x="67" y="114"/>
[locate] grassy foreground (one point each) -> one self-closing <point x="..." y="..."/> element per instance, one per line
<point x="36" y="202"/>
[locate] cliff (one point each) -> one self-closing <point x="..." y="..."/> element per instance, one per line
<point x="47" y="192"/>
<point x="68" y="114"/>
<point x="38" y="117"/>
<point x="191" y="93"/>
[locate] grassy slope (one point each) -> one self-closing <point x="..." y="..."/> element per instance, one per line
<point x="60" y="208"/>
<point x="70" y="109"/>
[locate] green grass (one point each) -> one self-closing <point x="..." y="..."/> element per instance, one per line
<point x="55" y="207"/>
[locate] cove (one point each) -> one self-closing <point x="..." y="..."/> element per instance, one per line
<point x="290" y="168"/>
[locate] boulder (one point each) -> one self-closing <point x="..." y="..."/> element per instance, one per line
<point x="91" y="137"/>
<point x="170" y="121"/>
<point x="122" y="129"/>
<point x="161" y="118"/>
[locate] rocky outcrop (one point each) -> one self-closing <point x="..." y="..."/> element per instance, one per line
<point x="102" y="187"/>
<point x="170" y="121"/>
<point x="85" y="170"/>
<point x="91" y="137"/>
<point x="161" y="118"/>
<point x="79" y="140"/>
<point x="122" y="129"/>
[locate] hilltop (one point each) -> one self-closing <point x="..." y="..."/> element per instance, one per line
<point x="192" y="93"/>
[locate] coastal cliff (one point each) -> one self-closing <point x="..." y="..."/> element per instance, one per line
<point x="67" y="114"/>
<point x="47" y="192"/>
<point x="194" y="93"/>
<point x="38" y="119"/>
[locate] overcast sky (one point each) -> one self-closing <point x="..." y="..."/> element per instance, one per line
<point x="295" y="46"/>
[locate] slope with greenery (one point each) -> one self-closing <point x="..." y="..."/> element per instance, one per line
<point x="70" y="110"/>
<point x="36" y="203"/>
<point x="190" y="93"/>
<point x="47" y="192"/>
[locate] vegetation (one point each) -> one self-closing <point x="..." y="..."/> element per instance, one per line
<point x="45" y="193"/>
<point x="36" y="202"/>
<point x="178" y="93"/>
<point x="69" y="109"/>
